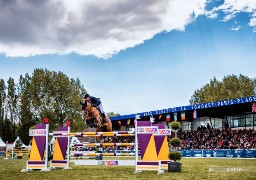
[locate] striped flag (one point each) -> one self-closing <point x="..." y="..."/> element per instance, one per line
<point x="175" y="117"/>
<point x="254" y="107"/>
<point x="183" y="116"/>
<point x="168" y="118"/>
<point x="194" y="114"/>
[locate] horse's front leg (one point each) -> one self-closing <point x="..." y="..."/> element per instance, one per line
<point x="98" y="120"/>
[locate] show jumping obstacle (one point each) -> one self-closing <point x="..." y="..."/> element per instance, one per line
<point x="82" y="155"/>
<point x="77" y="154"/>
<point x="154" y="149"/>
<point x="100" y="144"/>
<point x="82" y="134"/>
<point x="39" y="148"/>
<point x="60" y="149"/>
<point x="152" y="140"/>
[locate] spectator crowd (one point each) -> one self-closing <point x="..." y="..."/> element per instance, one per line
<point x="210" y="139"/>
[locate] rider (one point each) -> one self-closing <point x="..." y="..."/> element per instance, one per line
<point x="95" y="102"/>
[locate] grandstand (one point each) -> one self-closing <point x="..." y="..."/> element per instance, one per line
<point x="222" y="125"/>
<point x="239" y="113"/>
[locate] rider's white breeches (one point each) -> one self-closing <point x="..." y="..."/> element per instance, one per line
<point x="100" y="107"/>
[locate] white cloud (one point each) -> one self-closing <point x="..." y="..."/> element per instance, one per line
<point x="231" y="8"/>
<point x="236" y="28"/>
<point x="253" y="21"/>
<point x="88" y="27"/>
<point x="99" y="27"/>
<point x="228" y="17"/>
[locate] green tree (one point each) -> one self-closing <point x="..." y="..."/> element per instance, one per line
<point x="112" y="114"/>
<point x="254" y="85"/>
<point x="2" y="107"/>
<point x="7" y="131"/>
<point x="43" y="94"/>
<point x="230" y="87"/>
<point x="49" y="94"/>
<point x="26" y="118"/>
<point x="12" y="105"/>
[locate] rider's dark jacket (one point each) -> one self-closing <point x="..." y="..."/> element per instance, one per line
<point x="95" y="101"/>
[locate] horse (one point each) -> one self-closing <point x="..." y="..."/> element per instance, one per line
<point x="94" y="119"/>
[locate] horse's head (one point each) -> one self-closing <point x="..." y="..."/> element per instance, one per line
<point x="84" y="105"/>
<point x="86" y="110"/>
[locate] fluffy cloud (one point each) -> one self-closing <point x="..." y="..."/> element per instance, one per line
<point x="88" y="27"/>
<point x="98" y="27"/>
<point x="231" y="8"/>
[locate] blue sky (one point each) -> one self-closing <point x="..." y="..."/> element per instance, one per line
<point x="136" y="59"/>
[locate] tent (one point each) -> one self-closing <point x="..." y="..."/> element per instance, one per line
<point x="2" y="144"/>
<point x="18" y="140"/>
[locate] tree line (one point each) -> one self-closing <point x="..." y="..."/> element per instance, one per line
<point x="43" y="94"/>
<point x="231" y="86"/>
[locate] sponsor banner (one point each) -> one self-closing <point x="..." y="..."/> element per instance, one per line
<point x="228" y="153"/>
<point x="164" y="131"/>
<point x="37" y="132"/>
<point x="111" y="163"/>
<point x="148" y="129"/>
<point x="229" y="102"/>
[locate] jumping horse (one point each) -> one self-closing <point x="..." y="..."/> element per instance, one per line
<point x="94" y="119"/>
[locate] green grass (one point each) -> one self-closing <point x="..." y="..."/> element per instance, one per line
<point x="191" y="169"/>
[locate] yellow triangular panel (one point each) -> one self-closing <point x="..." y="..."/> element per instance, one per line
<point x="150" y="153"/>
<point x="34" y="153"/>
<point x="57" y="155"/>
<point x="164" y="151"/>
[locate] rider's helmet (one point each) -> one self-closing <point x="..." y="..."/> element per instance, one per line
<point x="86" y="95"/>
